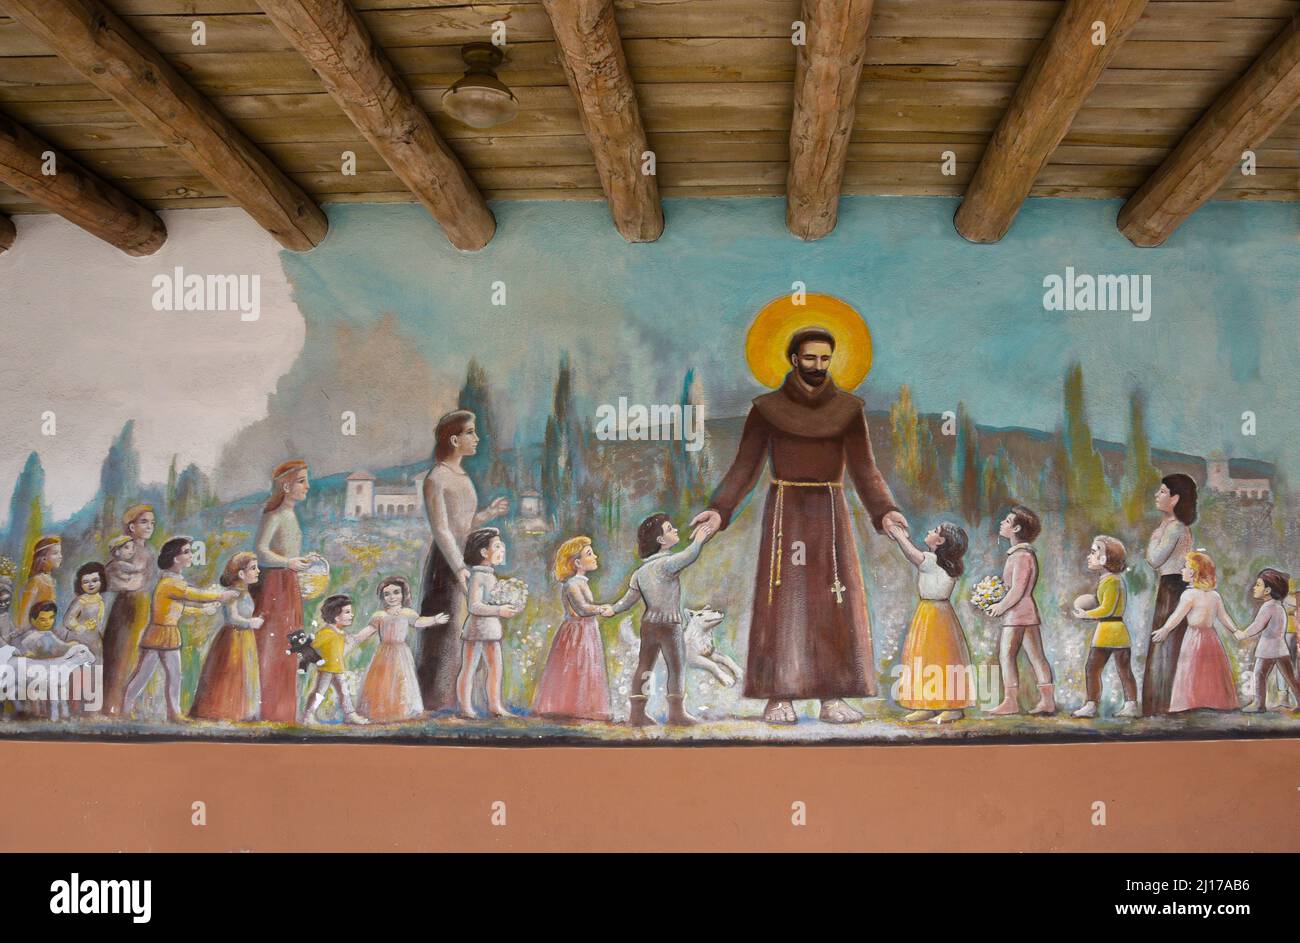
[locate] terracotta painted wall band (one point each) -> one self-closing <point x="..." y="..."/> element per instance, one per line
<point x="591" y="52"/>
<point x="828" y="69"/>
<point x="1241" y="119"/>
<point x="94" y="41"/>
<point x="76" y="194"/>
<point x="357" y="75"/>
<point x="1057" y="82"/>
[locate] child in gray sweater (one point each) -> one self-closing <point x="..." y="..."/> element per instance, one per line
<point x="657" y="584"/>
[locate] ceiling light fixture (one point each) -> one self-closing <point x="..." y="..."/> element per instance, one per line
<point x="480" y="99"/>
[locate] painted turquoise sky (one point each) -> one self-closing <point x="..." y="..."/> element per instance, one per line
<point x="955" y="321"/>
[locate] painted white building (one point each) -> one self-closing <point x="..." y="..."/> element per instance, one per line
<point x="1218" y="478"/>
<point x="365" y="496"/>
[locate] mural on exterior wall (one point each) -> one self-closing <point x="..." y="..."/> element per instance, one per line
<point x="723" y="486"/>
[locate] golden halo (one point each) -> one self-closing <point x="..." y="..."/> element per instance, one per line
<point x="780" y="318"/>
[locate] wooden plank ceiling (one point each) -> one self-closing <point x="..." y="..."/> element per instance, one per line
<point x="714" y="79"/>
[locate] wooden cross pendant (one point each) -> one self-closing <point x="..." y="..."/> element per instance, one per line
<point x="838" y="589"/>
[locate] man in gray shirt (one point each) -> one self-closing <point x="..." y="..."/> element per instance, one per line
<point x="657" y="583"/>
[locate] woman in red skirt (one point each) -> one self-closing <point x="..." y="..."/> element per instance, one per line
<point x="279" y="601"/>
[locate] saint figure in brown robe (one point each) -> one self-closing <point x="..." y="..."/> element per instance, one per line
<point x="809" y="635"/>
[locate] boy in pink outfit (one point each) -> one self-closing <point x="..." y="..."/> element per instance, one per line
<point x="1021" y="624"/>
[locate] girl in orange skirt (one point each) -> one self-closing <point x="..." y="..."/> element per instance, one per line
<point x="228" y="686"/>
<point x="936" y="679"/>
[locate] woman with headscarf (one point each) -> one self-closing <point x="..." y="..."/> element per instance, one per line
<point x="279" y="601"/>
<point x="132" y="572"/>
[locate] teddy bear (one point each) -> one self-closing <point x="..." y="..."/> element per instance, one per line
<point x="300" y="645"/>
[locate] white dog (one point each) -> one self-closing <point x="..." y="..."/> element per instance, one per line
<point x="701" y="652"/>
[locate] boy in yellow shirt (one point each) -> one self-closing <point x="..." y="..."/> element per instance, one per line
<point x="1110" y="638"/>
<point x="333" y="642"/>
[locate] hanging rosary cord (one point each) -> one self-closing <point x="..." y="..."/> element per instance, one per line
<point x="774" y="567"/>
<point x="836" y="587"/>
<point x="778" y="535"/>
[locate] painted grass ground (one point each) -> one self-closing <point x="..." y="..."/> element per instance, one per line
<point x="882" y="725"/>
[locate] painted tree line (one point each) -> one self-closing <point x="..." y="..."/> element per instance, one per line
<point x="979" y="483"/>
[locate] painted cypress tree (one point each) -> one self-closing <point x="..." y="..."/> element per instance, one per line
<point x="191" y="488"/>
<point x="171" y="486"/>
<point x="29" y="487"/>
<point x="966" y="467"/>
<point x="1090" y="497"/>
<point x="916" y="461"/>
<point x="563" y="451"/>
<point x="476" y="396"/>
<point x="119" y="477"/>
<point x="1141" y="478"/>
<point x="35" y="522"/>
<point x="691" y="468"/>
<point x="998" y="485"/>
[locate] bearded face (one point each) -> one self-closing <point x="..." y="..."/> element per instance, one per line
<point x="813" y="362"/>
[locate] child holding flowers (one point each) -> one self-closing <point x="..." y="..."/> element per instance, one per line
<point x="481" y="636"/>
<point x="573" y="684"/>
<point x="1021" y="625"/>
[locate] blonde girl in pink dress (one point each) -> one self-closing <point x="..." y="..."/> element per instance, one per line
<point x="574" y="685"/>
<point x="391" y="690"/>
<point x="1203" y="677"/>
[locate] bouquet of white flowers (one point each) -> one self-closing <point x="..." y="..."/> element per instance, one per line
<point x="511" y="592"/>
<point x="988" y="592"/>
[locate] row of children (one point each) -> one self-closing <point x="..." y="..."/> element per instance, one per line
<point x="573" y="683"/>
<point x="1202" y="675"/>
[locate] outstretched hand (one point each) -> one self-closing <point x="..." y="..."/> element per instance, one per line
<point x="894" y="524"/>
<point x="706" y="524"/>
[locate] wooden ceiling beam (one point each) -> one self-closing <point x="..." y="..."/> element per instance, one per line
<point x="361" y="79"/>
<point x="828" y="69"/>
<point x="95" y="41"/>
<point x="1066" y="66"/>
<point x="591" y="52"/>
<point x="74" y="193"/>
<point x="1241" y="119"/>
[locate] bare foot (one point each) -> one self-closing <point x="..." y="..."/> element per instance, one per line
<point x="917" y="716"/>
<point x="780" y="712"/>
<point x="835" y="711"/>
